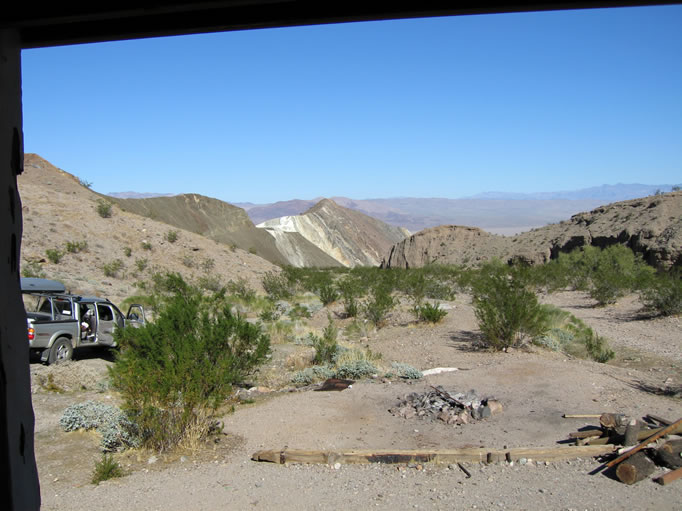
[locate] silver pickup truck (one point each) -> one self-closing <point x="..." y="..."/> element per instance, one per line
<point x="59" y="322"/>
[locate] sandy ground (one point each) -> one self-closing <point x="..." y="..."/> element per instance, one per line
<point x="535" y="386"/>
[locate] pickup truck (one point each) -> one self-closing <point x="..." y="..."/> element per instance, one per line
<point x="59" y="322"/>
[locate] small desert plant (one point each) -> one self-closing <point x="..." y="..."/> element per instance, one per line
<point x="84" y="182"/>
<point x="327" y="291"/>
<point x="253" y="250"/>
<point x="116" y="429"/>
<point x="241" y="289"/>
<point x="280" y="332"/>
<point x="111" y="269"/>
<point x="32" y="269"/>
<point x="506" y="310"/>
<point x="326" y="346"/>
<point x="172" y="236"/>
<point x="127" y="251"/>
<point x="350" y="290"/>
<point x="312" y="374"/>
<point x="75" y="247"/>
<point x="406" y="371"/>
<point x="207" y="264"/>
<point x="378" y="305"/>
<point x="430" y="312"/>
<point x="104" y="208"/>
<point x="356" y="370"/>
<point x="141" y="263"/>
<point x="54" y="255"/>
<point x="210" y="283"/>
<point x="276" y="286"/>
<point x="146" y="245"/>
<point x="663" y="294"/>
<point x="106" y="468"/>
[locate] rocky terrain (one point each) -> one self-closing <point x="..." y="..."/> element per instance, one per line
<point x="57" y="210"/>
<point x="651" y="226"/>
<point x="350" y="237"/>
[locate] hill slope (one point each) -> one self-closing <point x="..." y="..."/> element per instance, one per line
<point x="350" y="237"/>
<point x="57" y="210"/>
<point x="651" y="226"/>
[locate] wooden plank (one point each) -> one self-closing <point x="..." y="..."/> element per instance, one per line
<point x="658" y="419"/>
<point x="642" y="435"/>
<point x="581" y="415"/>
<point x="474" y="454"/>
<point x="665" y="431"/>
<point x="669" y="477"/>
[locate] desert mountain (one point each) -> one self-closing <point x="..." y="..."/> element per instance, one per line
<point x="651" y="226"/>
<point x="350" y="237"/>
<point x="58" y="210"/>
<point x="221" y="222"/>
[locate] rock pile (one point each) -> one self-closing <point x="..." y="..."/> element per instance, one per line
<point x="450" y="408"/>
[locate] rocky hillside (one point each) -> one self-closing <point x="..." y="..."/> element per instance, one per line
<point x="350" y="237"/>
<point x="58" y="210"/>
<point x="652" y="226"/>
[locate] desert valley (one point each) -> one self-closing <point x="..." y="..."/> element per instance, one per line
<point x="342" y="293"/>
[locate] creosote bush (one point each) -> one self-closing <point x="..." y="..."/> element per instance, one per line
<point x="172" y="236"/>
<point x="104" y="208"/>
<point x="663" y="293"/>
<point x="430" y="312"/>
<point x="111" y="269"/>
<point x="74" y="247"/>
<point x="506" y="310"/>
<point x="54" y="255"/>
<point x="379" y="304"/>
<point x="173" y="374"/>
<point x="106" y="468"/>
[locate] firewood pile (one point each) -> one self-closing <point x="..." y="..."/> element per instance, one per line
<point x="644" y="445"/>
<point x="437" y="404"/>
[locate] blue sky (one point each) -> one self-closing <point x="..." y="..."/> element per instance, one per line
<point x="440" y="107"/>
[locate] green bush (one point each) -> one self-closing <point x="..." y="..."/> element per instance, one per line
<point x="54" y="255"/>
<point x="106" y="468"/>
<point x="277" y="286"/>
<point x="111" y="269"/>
<point x="326" y="347"/>
<point x="242" y="290"/>
<point x="174" y="373"/>
<point x="127" y="251"/>
<point x="350" y="290"/>
<point x="104" y="208"/>
<point x="506" y="310"/>
<point x="172" y="236"/>
<point x="75" y="247"/>
<point x="406" y="371"/>
<point x="32" y="269"/>
<point x="146" y="245"/>
<point x="430" y="312"/>
<point x="141" y="263"/>
<point x="379" y="304"/>
<point x="210" y="283"/>
<point x="663" y="294"/>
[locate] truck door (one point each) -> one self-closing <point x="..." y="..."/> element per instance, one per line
<point x="106" y="323"/>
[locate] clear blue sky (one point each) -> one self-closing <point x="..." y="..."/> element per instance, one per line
<point x="441" y="107"/>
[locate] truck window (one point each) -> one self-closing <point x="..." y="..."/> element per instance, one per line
<point x="63" y="307"/>
<point x="105" y="312"/>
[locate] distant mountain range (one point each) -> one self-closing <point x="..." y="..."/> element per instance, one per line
<point x="610" y="193"/>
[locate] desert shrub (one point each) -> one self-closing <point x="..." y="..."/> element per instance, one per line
<point x="406" y="371"/>
<point x="378" y="305"/>
<point x="74" y="247"/>
<point x="312" y="374"/>
<point x="103" y="208"/>
<point x="663" y="294"/>
<point x="146" y="245"/>
<point x="253" y="250"/>
<point x="570" y="335"/>
<point x="172" y="236"/>
<point x="106" y="468"/>
<point x="210" y="283"/>
<point x="111" y="269"/>
<point x="277" y="286"/>
<point x="299" y="311"/>
<point x="141" y="263"/>
<point x="430" y="312"/>
<point x="54" y="255"/>
<point x="506" y="310"/>
<point x="326" y="346"/>
<point x="84" y="182"/>
<point x="356" y="370"/>
<point x="280" y="332"/>
<point x="271" y="311"/>
<point x="32" y="269"/>
<point x="127" y="251"/>
<point x="174" y="373"/>
<point x="350" y="290"/>
<point x="241" y="289"/>
<point x="116" y="429"/>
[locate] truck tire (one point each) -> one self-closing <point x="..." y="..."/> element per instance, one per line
<point x="61" y="351"/>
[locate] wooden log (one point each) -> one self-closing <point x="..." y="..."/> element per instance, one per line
<point x="658" y="419"/>
<point x="582" y="415"/>
<point x="586" y="433"/>
<point x="631" y="432"/>
<point x="642" y="435"/>
<point x="635" y="468"/>
<point x="668" y="454"/>
<point x="614" y="422"/>
<point x="665" y="431"/>
<point x="669" y="477"/>
<point x="474" y="454"/>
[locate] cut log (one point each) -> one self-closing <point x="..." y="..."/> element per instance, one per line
<point x="665" y="431"/>
<point x="635" y="468"/>
<point x="586" y="433"/>
<point x="474" y="454"/>
<point x="643" y="434"/>
<point x="669" y="477"/>
<point x="669" y="454"/>
<point x="614" y="422"/>
<point x="658" y="419"/>
<point x="631" y="432"/>
<point x="582" y="415"/>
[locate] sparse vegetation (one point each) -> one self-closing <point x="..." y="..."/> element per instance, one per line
<point x="430" y="312"/>
<point x="74" y="247"/>
<point x="127" y="251"/>
<point x="326" y="346"/>
<point x="172" y="236"/>
<point x="173" y="374"/>
<point x="379" y="304"/>
<point x="276" y="286"/>
<point x="253" y="250"/>
<point x="663" y="293"/>
<point x="146" y="245"/>
<point x="54" y="255"/>
<point x="104" y="208"/>
<point x="141" y="263"/>
<point x="207" y="264"/>
<point x="32" y="269"/>
<point x="106" y="468"/>
<point x="112" y="268"/>
<point x="241" y="289"/>
<point x="85" y="183"/>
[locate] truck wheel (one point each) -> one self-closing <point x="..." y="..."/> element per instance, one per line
<point x="61" y="351"/>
